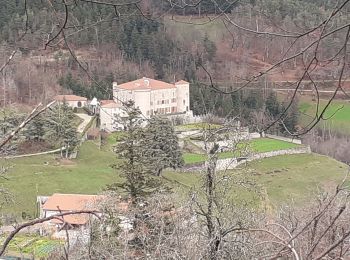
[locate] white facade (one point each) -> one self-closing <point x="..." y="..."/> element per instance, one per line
<point x="76" y="103"/>
<point x="154" y="97"/>
<point x="150" y="96"/>
<point x="72" y="100"/>
<point x="109" y="115"/>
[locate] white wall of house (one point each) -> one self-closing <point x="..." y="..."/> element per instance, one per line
<point x="142" y="100"/>
<point x="108" y="119"/>
<point x="183" y="97"/>
<point x="77" y="104"/>
<point x="160" y="101"/>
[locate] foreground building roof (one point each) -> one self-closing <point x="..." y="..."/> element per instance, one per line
<point x="70" y="202"/>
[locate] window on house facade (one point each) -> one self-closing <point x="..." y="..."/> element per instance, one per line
<point x="79" y="104"/>
<point x="186" y="108"/>
<point x="173" y="100"/>
<point x="184" y="102"/>
<point x="163" y="101"/>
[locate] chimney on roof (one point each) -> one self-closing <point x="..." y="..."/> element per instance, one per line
<point x="146" y="81"/>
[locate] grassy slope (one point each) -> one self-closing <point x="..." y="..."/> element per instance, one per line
<point x="30" y="177"/>
<point x="260" y="145"/>
<point x="340" y="119"/>
<point x="283" y="177"/>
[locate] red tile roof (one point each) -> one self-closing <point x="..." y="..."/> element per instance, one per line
<point x="106" y="101"/>
<point x="76" y="219"/>
<point x="181" y="82"/>
<point x="69" y="98"/>
<point x="67" y="202"/>
<point x="111" y="105"/>
<point x="146" y="83"/>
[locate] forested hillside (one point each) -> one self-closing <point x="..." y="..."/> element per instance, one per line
<point x="152" y="38"/>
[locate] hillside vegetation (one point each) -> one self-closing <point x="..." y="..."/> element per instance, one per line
<point x="140" y="43"/>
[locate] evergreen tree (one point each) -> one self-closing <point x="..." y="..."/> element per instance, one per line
<point x="209" y="47"/>
<point x="59" y="127"/>
<point x="133" y="166"/>
<point x="161" y="145"/>
<point x="9" y="120"/>
<point x="272" y="105"/>
<point x="35" y="129"/>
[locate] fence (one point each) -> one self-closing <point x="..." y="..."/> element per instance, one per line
<point x="34" y="154"/>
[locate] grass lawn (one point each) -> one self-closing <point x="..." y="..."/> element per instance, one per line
<point x="44" y="175"/>
<point x="339" y="111"/>
<point x="282" y="178"/>
<point x="260" y="145"/>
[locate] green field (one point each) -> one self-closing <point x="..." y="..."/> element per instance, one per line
<point x="44" y="175"/>
<point x="338" y="114"/>
<point x="190" y="29"/>
<point x="282" y="176"/>
<point x="260" y="145"/>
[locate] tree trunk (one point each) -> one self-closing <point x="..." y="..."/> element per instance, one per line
<point x="214" y="242"/>
<point x="67" y="149"/>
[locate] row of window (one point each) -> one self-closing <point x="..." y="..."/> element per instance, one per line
<point x="162" y="111"/>
<point x="165" y="101"/>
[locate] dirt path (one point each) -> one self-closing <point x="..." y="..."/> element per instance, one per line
<point x="86" y="119"/>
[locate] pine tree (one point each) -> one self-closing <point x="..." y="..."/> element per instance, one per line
<point x="59" y="127"/>
<point x="35" y="129"/>
<point x="161" y="145"/>
<point x="9" y="120"/>
<point x="272" y="105"/>
<point x="134" y="166"/>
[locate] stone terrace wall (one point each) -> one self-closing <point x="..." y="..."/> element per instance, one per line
<point x="286" y="139"/>
<point x="231" y="163"/>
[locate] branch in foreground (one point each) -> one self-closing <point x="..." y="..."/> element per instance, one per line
<point x="35" y="112"/>
<point x="41" y="220"/>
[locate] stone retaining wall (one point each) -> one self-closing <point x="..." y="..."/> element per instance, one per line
<point x="286" y="139"/>
<point x="231" y="163"/>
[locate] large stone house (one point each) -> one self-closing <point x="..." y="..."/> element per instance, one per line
<point x="150" y="96"/>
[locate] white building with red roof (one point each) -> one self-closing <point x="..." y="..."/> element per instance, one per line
<point x="73" y="101"/>
<point x="150" y="96"/>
